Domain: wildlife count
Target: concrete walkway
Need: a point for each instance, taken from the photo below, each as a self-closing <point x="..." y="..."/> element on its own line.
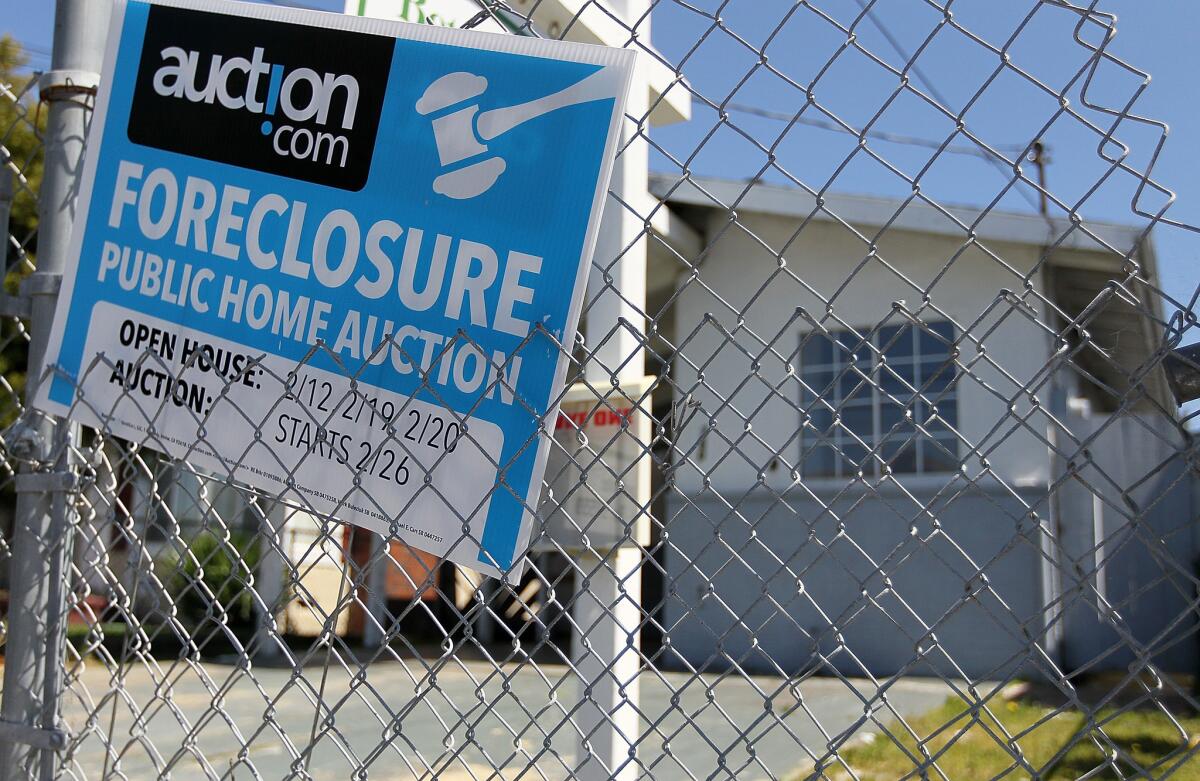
<point x="462" y="720"/>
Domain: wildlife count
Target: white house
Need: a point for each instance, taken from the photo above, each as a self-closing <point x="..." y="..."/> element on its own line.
<point x="883" y="460"/>
<point x="875" y="431"/>
<point x="893" y="428"/>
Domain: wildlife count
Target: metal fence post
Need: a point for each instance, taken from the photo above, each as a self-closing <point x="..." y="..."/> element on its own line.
<point x="41" y="524"/>
<point x="607" y="609"/>
<point x="375" y="623"/>
<point x="272" y="570"/>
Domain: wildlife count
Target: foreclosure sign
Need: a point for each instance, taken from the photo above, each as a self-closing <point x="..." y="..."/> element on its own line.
<point x="338" y="258"/>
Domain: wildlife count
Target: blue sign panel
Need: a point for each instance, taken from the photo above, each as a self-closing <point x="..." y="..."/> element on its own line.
<point x="338" y="259"/>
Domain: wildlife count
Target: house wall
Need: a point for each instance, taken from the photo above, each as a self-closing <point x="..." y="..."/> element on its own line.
<point x="741" y="276"/>
<point x="764" y="563"/>
<point x="783" y="586"/>
<point x="1128" y="528"/>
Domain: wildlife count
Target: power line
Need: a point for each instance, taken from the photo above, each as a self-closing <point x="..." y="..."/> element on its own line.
<point x="37" y="56"/>
<point x="868" y="11"/>
<point x="893" y="138"/>
<point x="34" y="50"/>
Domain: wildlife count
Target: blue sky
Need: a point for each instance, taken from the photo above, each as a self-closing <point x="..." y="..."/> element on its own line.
<point x="1157" y="36"/>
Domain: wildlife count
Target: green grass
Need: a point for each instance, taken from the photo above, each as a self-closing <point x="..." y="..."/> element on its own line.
<point x="80" y="634"/>
<point x="973" y="747"/>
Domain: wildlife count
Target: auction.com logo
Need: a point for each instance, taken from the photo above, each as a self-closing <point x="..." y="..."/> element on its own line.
<point x="239" y="83"/>
<point x="286" y="99"/>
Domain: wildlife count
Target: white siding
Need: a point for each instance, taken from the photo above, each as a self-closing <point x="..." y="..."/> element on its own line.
<point x="741" y="276"/>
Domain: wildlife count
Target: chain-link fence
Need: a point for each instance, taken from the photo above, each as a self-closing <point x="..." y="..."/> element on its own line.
<point x="18" y="207"/>
<point x="901" y="487"/>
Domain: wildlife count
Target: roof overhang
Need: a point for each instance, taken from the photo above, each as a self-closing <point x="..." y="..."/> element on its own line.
<point x="1079" y="280"/>
<point x="863" y="211"/>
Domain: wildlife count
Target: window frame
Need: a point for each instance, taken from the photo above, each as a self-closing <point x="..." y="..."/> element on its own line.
<point x="846" y="368"/>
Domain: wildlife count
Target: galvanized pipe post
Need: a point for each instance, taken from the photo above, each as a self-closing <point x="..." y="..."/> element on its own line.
<point x="41" y="526"/>
<point x="270" y="582"/>
<point x="605" y="647"/>
<point x="375" y="623"/>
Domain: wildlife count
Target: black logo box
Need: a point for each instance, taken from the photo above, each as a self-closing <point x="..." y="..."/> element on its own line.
<point x="236" y="136"/>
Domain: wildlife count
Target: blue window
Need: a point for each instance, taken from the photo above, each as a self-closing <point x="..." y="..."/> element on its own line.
<point x="888" y="397"/>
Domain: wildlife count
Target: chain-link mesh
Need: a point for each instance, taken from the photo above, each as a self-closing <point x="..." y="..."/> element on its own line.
<point x="21" y="124"/>
<point x="906" y="492"/>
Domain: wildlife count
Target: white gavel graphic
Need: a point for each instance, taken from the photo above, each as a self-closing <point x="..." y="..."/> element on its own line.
<point x="462" y="133"/>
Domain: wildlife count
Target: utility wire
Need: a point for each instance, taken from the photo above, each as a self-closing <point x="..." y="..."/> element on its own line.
<point x="868" y="11"/>
<point x="37" y="54"/>
<point x="893" y="138"/>
<point x="40" y="51"/>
